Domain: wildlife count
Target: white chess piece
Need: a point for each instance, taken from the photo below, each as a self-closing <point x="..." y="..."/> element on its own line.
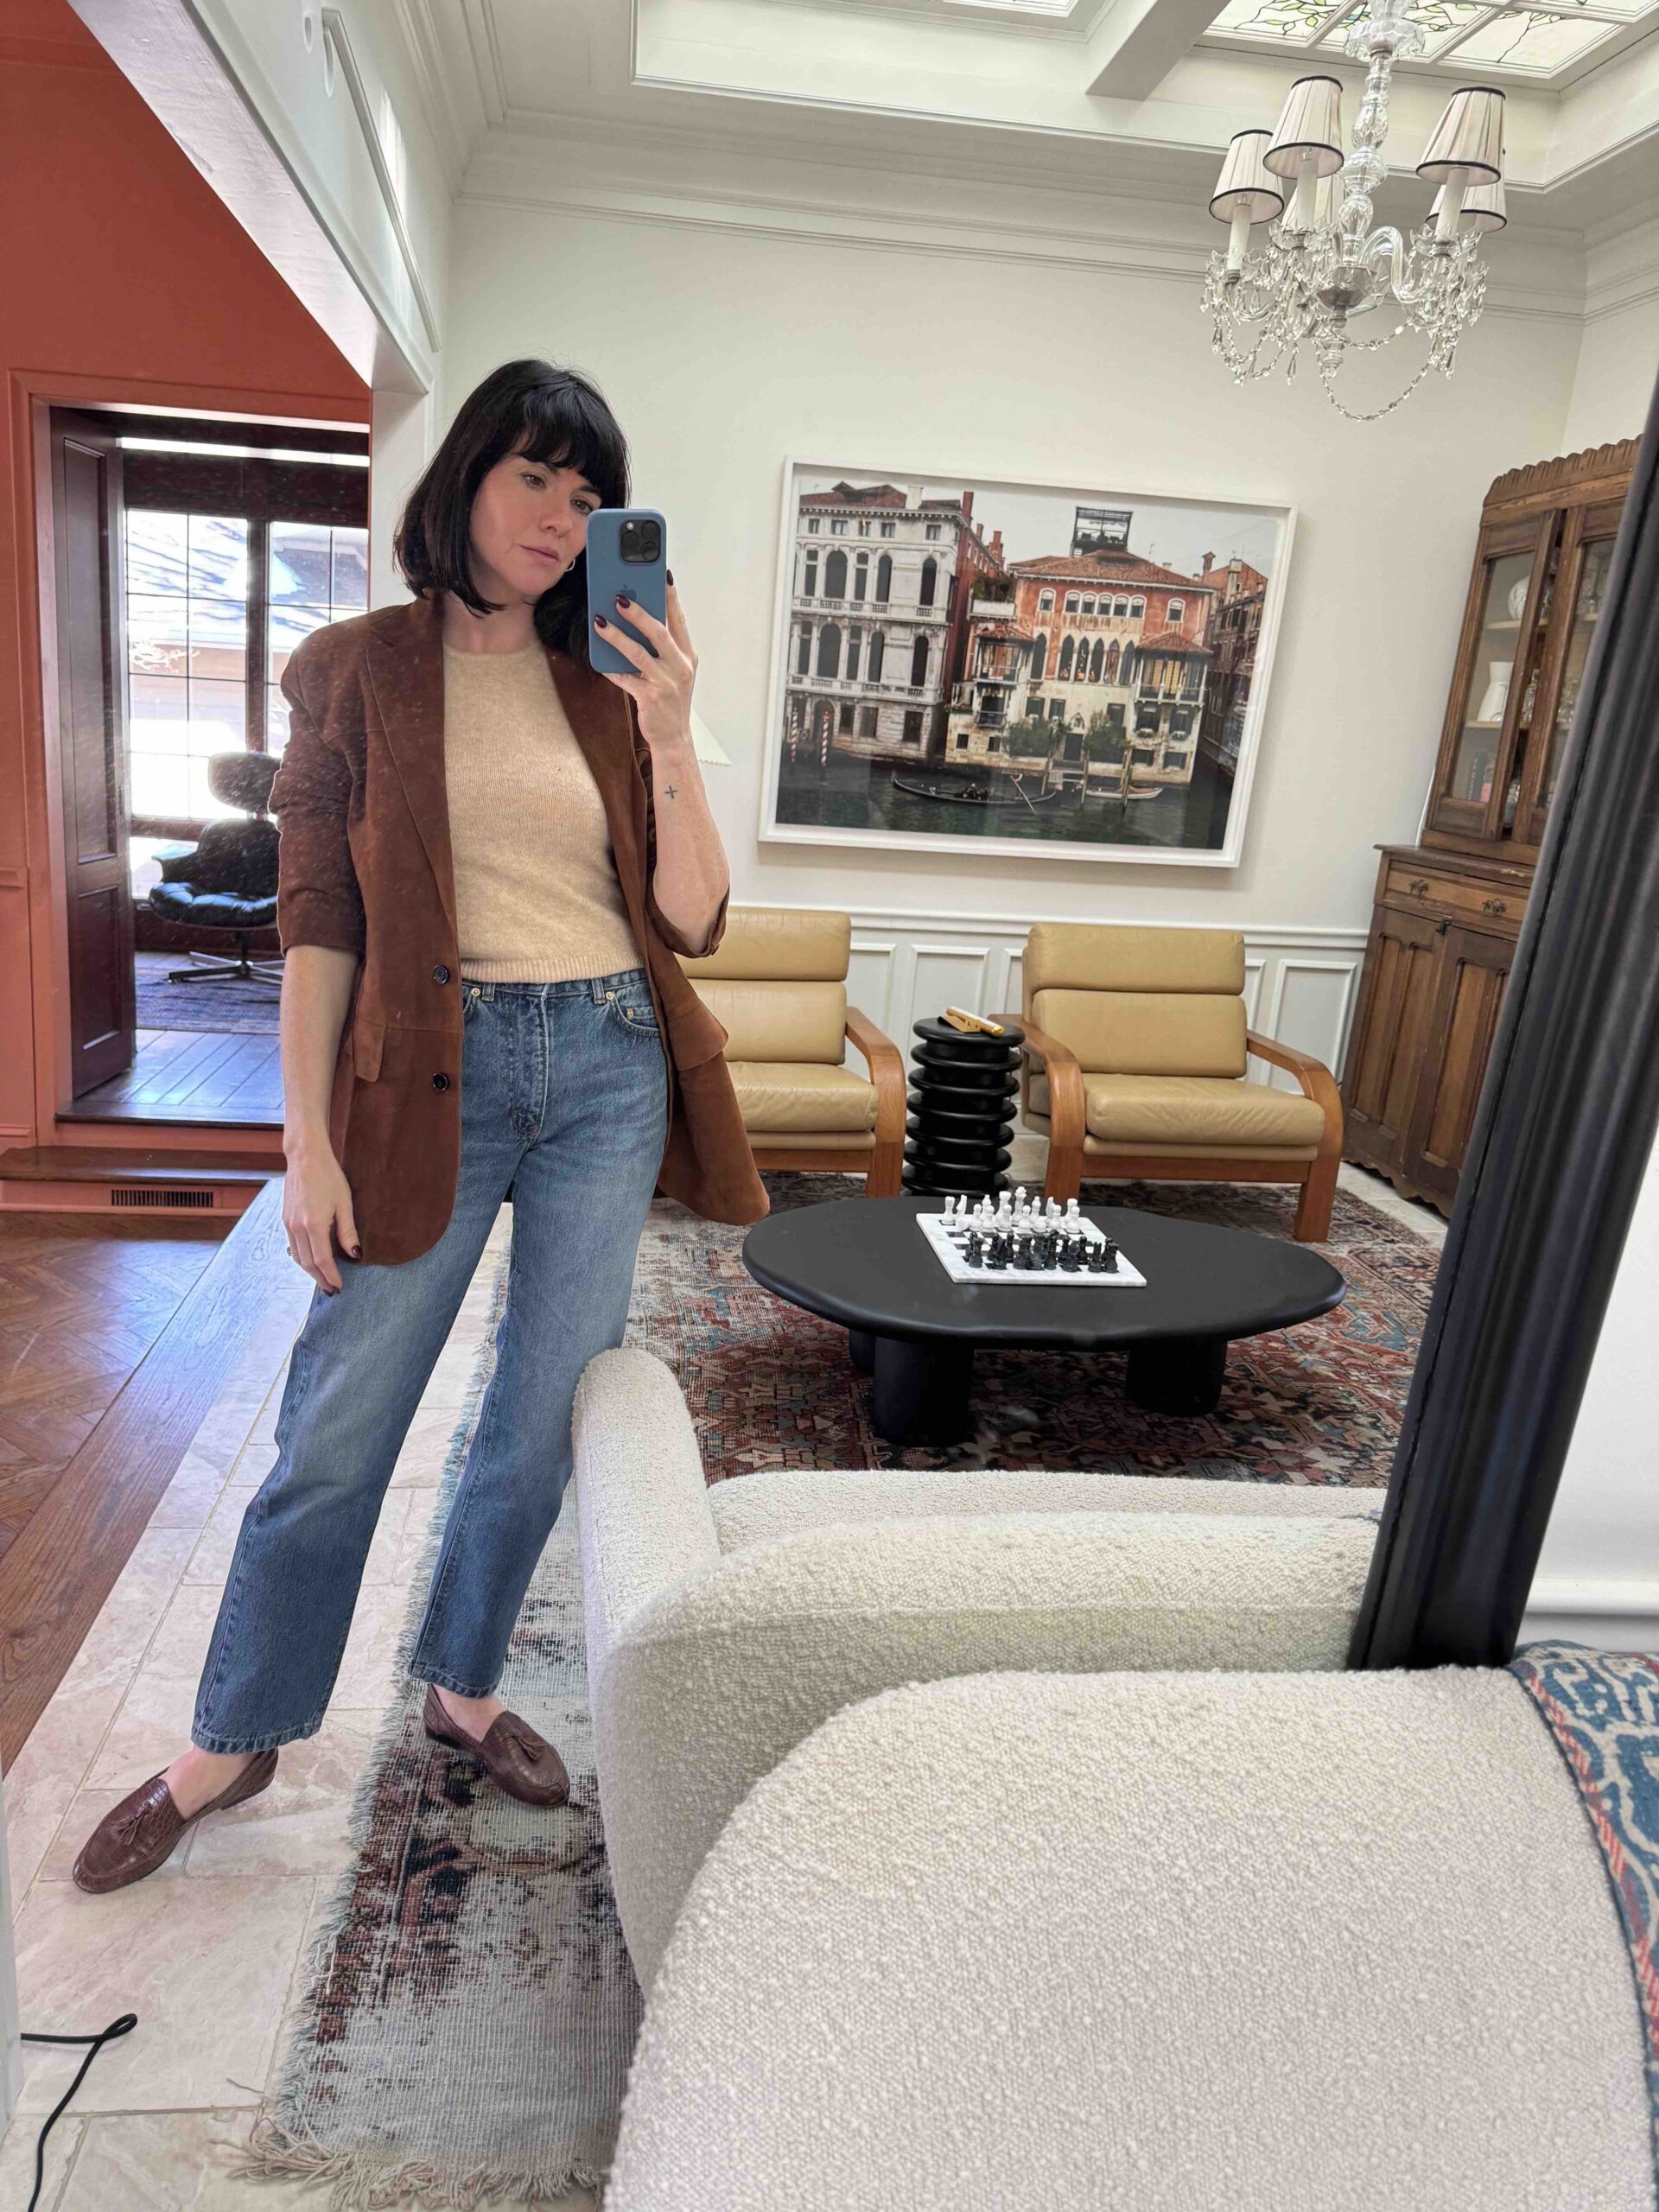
<point x="1073" y="1211"/>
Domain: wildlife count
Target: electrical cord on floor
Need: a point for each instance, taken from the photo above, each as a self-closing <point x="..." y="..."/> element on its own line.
<point x="124" y="2027"/>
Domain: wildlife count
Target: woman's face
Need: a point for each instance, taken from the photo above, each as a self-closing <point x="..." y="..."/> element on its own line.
<point x="529" y="523"/>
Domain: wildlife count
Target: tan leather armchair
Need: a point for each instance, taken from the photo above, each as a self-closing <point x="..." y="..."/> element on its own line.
<point x="1134" y="1067"/>
<point x="779" y="985"/>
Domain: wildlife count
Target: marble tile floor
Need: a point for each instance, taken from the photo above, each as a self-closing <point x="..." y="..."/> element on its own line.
<point x="208" y="1951"/>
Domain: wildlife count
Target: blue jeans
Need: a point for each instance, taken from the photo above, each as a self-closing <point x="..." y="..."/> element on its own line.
<point x="564" y="1100"/>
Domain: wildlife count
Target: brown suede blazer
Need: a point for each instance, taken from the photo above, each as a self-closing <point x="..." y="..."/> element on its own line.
<point x="366" y="865"/>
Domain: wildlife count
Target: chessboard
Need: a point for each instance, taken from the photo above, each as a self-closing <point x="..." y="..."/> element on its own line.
<point x="1017" y="1240"/>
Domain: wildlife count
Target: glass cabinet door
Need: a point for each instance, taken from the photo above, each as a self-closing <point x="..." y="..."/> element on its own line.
<point x="1478" y="787"/>
<point x="1587" y="556"/>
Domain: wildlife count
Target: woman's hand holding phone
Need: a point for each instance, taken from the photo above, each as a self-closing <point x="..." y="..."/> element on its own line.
<point x="661" y="672"/>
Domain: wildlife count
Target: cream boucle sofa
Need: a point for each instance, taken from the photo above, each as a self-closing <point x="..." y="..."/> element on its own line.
<point x="725" y="1624"/>
<point x="1150" y="1943"/>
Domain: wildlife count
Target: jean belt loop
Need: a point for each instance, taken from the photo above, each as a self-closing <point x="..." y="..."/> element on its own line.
<point x="596" y="987"/>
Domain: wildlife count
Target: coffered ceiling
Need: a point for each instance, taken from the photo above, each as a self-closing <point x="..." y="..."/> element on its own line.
<point x="1136" y="97"/>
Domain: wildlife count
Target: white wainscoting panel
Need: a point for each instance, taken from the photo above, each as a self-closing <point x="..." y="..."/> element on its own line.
<point x="1300" y="984"/>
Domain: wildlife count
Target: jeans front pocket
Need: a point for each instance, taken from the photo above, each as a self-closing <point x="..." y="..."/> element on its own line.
<point x="634" y="1009"/>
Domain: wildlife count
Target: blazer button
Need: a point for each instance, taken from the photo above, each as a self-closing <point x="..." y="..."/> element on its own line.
<point x="440" y="973"/>
<point x="439" y="1082"/>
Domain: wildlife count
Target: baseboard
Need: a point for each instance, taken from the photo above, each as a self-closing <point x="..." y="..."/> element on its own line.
<point x="1608" y="1616"/>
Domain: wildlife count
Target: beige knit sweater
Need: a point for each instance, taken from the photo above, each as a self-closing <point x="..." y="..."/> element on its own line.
<point x="536" y="896"/>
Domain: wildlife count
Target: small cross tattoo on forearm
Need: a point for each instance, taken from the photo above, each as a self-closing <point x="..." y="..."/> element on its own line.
<point x="668" y="791"/>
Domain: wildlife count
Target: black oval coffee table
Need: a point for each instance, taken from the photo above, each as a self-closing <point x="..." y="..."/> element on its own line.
<point x="864" y="1263"/>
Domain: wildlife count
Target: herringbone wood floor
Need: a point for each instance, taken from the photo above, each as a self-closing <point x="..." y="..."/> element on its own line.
<point x="82" y="1300"/>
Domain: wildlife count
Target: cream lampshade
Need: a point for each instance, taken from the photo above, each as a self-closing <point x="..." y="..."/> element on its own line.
<point x="1308" y="138"/>
<point x="1482" y="210"/>
<point x="1246" y="186"/>
<point x="1466" y="145"/>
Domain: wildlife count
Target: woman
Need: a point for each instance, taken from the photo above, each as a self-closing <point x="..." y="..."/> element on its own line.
<point x="490" y="855"/>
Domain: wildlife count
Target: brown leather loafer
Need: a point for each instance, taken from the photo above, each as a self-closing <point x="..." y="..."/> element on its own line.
<point x="525" y="1764"/>
<point x="142" y="1832"/>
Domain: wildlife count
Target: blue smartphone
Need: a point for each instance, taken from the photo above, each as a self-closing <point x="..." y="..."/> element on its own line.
<point x="627" y="551"/>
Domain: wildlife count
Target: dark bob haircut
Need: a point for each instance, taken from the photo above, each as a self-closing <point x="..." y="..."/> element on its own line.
<point x="550" y="414"/>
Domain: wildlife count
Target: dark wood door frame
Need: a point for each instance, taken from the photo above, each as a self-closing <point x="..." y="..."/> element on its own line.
<point x="1560" y="1143"/>
<point x="86" y="506"/>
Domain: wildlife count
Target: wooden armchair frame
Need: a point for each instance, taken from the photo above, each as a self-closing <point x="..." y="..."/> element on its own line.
<point x="884" y="1166"/>
<point x="1068" y="1164"/>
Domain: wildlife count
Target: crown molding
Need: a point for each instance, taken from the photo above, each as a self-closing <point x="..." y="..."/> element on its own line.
<point x="433" y="82"/>
<point x="703" y="184"/>
<point x="1624" y="271"/>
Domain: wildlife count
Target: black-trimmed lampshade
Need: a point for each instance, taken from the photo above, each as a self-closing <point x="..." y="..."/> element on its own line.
<point x="1245" y="186"/>
<point x="1466" y="144"/>
<point x="1308" y="136"/>
<point x="1483" y="208"/>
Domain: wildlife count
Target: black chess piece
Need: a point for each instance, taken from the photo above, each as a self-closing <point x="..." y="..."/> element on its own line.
<point x="1072" y="1255"/>
<point x="998" y="1254"/>
<point x="1051" y="1247"/>
<point x="975" y="1251"/>
<point x="1111" y="1250"/>
<point x="1096" y="1260"/>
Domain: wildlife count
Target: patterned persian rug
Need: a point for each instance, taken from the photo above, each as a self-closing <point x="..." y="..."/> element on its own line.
<point x="470" y="2011"/>
<point x="770" y="1386"/>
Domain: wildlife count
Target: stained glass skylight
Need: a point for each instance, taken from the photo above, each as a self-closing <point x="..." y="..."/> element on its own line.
<point x="1538" y="41"/>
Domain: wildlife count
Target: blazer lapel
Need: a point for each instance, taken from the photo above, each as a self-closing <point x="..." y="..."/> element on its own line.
<point x="405" y="660"/>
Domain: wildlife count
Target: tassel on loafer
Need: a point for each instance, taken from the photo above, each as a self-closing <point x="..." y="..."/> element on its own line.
<point x="525" y="1764"/>
<point x="142" y="1832"/>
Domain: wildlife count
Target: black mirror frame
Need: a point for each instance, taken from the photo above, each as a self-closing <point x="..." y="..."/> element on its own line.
<point x="1561" y="1142"/>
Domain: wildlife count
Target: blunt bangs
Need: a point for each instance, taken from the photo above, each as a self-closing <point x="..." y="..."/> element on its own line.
<point x="553" y="416"/>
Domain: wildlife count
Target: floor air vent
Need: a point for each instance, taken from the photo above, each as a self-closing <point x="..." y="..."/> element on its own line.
<point x="140" y="1197"/>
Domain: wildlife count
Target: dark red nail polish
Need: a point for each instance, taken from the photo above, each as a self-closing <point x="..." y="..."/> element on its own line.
<point x="600" y="623"/>
<point x="670" y="575"/>
<point x="622" y="599"/>
<point x="357" y="1251"/>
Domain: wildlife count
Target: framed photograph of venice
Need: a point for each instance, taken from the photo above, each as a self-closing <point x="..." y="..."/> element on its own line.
<point x="969" y="665"/>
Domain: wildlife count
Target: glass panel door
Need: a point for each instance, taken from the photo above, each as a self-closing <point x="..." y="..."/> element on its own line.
<point x="187" y="635"/>
<point x="1475" y="766"/>
<point x="1594" y="557"/>
<point x="1493" y="691"/>
<point x="319" y="574"/>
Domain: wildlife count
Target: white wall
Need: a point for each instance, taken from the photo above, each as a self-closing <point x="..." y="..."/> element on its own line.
<point x="912" y="325"/>
<point x="1618" y="357"/>
<point x="725" y="343"/>
<point x="1598" y="1577"/>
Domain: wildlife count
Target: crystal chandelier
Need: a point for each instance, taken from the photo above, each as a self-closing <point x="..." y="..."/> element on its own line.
<point x="1323" y="269"/>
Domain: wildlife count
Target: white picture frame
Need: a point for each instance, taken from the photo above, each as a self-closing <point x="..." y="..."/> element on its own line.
<point x="842" y="785"/>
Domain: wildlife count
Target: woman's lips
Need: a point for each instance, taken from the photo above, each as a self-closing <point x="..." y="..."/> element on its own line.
<point x="541" y="554"/>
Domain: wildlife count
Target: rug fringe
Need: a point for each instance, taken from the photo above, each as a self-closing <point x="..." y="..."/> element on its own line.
<point x="368" y="2180"/>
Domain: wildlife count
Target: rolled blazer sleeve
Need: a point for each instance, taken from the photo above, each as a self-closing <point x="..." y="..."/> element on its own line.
<point x="318" y="899"/>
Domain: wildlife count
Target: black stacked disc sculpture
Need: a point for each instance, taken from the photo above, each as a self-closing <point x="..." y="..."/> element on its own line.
<point x="962" y="1084"/>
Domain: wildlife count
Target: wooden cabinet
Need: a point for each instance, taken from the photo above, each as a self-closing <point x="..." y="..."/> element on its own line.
<point x="1447" y="913"/>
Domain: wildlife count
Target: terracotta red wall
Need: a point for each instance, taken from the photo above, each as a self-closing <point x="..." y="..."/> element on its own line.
<point x="122" y="277"/>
